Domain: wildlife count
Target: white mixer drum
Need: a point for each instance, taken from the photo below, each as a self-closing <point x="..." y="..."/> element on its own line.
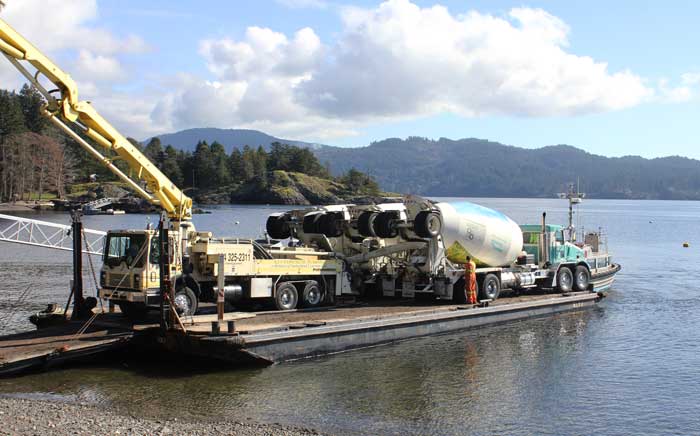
<point x="488" y="236"/>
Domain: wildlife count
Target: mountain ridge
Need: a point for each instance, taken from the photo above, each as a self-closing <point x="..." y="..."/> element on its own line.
<point x="482" y="168"/>
<point x="187" y="139"/>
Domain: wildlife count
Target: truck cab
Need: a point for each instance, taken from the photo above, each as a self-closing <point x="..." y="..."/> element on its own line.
<point x="130" y="274"/>
<point x="549" y="246"/>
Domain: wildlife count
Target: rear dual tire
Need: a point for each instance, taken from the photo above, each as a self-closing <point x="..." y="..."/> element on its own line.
<point x="582" y="278"/>
<point x="565" y="280"/>
<point x="490" y="287"/>
<point x="287" y="296"/>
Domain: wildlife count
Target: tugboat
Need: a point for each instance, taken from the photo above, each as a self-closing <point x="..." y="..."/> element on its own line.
<point x="594" y="246"/>
<point x="565" y="247"/>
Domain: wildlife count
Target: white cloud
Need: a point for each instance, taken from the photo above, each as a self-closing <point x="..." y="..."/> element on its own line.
<point x="400" y="61"/>
<point x="66" y="32"/>
<point x="395" y="61"/>
<point x="53" y="25"/>
<point x="690" y="79"/>
<point x="298" y="4"/>
<point x="685" y="91"/>
<point x="98" y="67"/>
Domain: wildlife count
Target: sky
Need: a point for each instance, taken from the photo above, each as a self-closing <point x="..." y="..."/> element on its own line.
<point x="613" y="78"/>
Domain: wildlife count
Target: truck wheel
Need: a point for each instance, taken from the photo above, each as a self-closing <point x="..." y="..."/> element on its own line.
<point x="133" y="311"/>
<point x="458" y="294"/>
<point x="310" y="223"/>
<point x="330" y="225"/>
<point x="565" y="279"/>
<point x="365" y="224"/>
<point x="384" y="225"/>
<point x="277" y="227"/>
<point x="490" y="287"/>
<point x="312" y="296"/>
<point x="427" y="224"/>
<point x="581" y="278"/>
<point x="185" y="301"/>
<point x="286" y="296"/>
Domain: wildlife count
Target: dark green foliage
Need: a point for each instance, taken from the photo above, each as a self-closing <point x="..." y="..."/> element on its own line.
<point x="222" y="174"/>
<point x="31" y="102"/>
<point x="359" y="183"/>
<point x="235" y="166"/>
<point x="171" y="165"/>
<point x="204" y="167"/>
<point x="153" y="150"/>
<point x="247" y="163"/>
<point x="295" y="159"/>
<point x="11" y="116"/>
<point x="479" y="168"/>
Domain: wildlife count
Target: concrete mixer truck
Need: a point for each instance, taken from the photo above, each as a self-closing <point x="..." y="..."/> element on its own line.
<point x="417" y="248"/>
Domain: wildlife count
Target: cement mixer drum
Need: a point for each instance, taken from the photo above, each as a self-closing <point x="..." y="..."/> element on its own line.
<point x="488" y="236"/>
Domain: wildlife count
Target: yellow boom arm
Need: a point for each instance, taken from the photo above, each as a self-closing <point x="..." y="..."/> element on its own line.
<point x="68" y="109"/>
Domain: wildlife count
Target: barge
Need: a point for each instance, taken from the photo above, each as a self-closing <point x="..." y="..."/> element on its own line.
<point x="273" y="336"/>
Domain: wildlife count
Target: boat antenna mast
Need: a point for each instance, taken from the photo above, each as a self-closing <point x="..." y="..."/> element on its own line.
<point x="575" y="197"/>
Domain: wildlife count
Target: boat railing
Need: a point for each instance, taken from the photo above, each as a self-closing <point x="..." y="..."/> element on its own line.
<point x="597" y="240"/>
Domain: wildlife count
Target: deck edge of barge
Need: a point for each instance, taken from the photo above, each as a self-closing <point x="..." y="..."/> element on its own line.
<point x="317" y="341"/>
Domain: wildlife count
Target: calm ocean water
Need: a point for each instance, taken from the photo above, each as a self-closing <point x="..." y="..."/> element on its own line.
<point x="630" y="366"/>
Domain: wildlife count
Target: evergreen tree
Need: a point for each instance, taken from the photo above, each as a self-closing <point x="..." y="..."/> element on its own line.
<point x="11" y="122"/>
<point x="204" y="166"/>
<point x="154" y="151"/>
<point x="360" y="183"/>
<point x="220" y="161"/>
<point x="11" y="116"/>
<point x="248" y="166"/>
<point x="31" y="102"/>
<point x="235" y="166"/>
<point x="260" y="167"/>
<point x="171" y="165"/>
<point x="186" y="163"/>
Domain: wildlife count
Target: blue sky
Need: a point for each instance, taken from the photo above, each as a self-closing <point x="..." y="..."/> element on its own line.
<point x="613" y="78"/>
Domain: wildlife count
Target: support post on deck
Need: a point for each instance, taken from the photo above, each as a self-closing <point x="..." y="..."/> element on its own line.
<point x="220" y="298"/>
<point x="78" y="299"/>
<point x="164" y="267"/>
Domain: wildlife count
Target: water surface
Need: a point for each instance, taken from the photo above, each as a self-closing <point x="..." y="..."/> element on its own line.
<point x="629" y="366"/>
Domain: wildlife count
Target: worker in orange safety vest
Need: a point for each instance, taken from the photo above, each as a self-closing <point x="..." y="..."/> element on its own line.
<point x="470" y="280"/>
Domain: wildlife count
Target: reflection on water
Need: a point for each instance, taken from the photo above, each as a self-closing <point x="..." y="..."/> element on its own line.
<point x="629" y="366"/>
<point x="433" y="385"/>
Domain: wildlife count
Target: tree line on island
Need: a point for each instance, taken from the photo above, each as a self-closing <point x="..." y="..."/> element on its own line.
<point x="210" y="167"/>
<point x="38" y="161"/>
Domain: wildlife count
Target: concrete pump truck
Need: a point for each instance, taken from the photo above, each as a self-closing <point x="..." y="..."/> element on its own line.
<point x="130" y="276"/>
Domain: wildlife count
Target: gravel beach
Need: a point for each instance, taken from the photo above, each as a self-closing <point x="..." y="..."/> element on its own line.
<point x="19" y="416"/>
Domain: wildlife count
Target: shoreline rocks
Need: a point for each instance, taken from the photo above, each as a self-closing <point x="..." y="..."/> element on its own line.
<point x="22" y="416"/>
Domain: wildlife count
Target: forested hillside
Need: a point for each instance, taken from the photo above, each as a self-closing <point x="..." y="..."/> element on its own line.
<point x="37" y="161"/>
<point x="475" y="167"/>
<point x="188" y="139"/>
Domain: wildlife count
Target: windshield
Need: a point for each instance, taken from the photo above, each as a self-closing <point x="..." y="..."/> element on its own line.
<point x="531" y="238"/>
<point x="125" y="248"/>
